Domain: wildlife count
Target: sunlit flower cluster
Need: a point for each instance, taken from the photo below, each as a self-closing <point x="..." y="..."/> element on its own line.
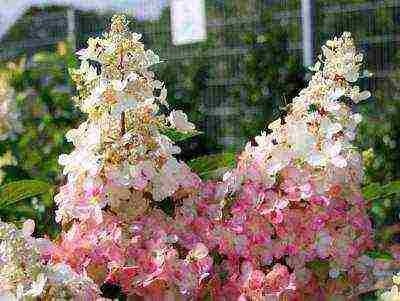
<point x="25" y="274"/>
<point x="294" y="198"/>
<point x="21" y="270"/>
<point x="121" y="169"/>
<point x="9" y="114"/>
<point x="121" y="159"/>
<point x="137" y="218"/>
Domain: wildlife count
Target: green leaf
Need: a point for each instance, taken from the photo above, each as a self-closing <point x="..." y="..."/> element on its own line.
<point x="392" y="188"/>
<point x="15" y="192"/>
<point x="18" y="211"/>
<point x="207" y="166"/>
<point x="47" y="197"/>
<point x="376" y="190"/>
<point x="312" y="108"/>
<point x="383" y="255"/>
<point x="217" y="257"/>
<point x="176" y="136"/>
<point x="372" y="191"/>
<point x="167" y="206"/>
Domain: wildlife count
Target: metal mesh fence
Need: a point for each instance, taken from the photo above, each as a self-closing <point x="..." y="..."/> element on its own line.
<point x="375" y="24"/>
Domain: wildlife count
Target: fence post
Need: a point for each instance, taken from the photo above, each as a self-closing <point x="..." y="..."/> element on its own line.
<point x="71" y="27"/>
<point x="308" y="30"/>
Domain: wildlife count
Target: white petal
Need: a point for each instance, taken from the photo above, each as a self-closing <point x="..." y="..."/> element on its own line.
<point x="339" y="161"/>
<point x="357" y="118"/>
<point x="316" y="159"/>
<point x="328" y="53"/>
<point x="336" y="94"/>
<point x="198" y="252"/>
<point x="163" y="95"/>
<point x="351" y="76"/>
<point x="364" y="95"/>
<point x="119" y="85"/>
<point x="28" y="228"/>
<point x="275" y="125"/>
<point x="82" y="53"/>
<point x="37" y="286"/>
<point x="334" y="149"/>
<point x="180" y="122"/>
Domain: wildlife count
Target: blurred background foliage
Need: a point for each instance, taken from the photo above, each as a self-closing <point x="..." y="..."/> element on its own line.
<point x="269" y="79"/>
<point x="43" y="96"/>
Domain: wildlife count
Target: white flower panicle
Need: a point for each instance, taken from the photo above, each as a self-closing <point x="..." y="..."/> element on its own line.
<point x="121" y="146"/>
<point x="319" y="128"/>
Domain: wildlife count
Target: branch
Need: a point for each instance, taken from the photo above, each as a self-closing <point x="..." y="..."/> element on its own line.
<point x="123" y="129"/>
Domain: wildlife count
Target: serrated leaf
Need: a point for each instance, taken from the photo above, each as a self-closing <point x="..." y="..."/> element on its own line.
<point x="15" y="192"/>
<point x="176" y="136"/>
<point x="207" y="166"/>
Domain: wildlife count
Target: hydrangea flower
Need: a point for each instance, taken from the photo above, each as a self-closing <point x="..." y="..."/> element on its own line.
<point x="25" y="274"/>
<point x="121" y="167"/>
<point x="295" y="197"/>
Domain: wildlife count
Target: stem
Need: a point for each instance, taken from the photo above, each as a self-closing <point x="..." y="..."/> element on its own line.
<point x="123" y="129"/>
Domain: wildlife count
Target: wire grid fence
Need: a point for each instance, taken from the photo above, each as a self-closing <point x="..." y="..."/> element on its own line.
<point x="375" y="24"/>
<point x="40" y="31"/>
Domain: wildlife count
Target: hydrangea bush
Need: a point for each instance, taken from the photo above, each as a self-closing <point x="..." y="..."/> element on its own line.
<point x="289" y="221"/>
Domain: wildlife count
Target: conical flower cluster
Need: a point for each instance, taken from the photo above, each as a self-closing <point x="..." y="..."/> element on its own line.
<point x="122" y="167"/>
<point x="295" y="197"/>
<point x="122" y="162"/>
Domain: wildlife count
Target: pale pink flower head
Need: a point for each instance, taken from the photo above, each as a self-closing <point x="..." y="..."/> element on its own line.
<point x="28" y="227"/>
<point x="179" y="121"/>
